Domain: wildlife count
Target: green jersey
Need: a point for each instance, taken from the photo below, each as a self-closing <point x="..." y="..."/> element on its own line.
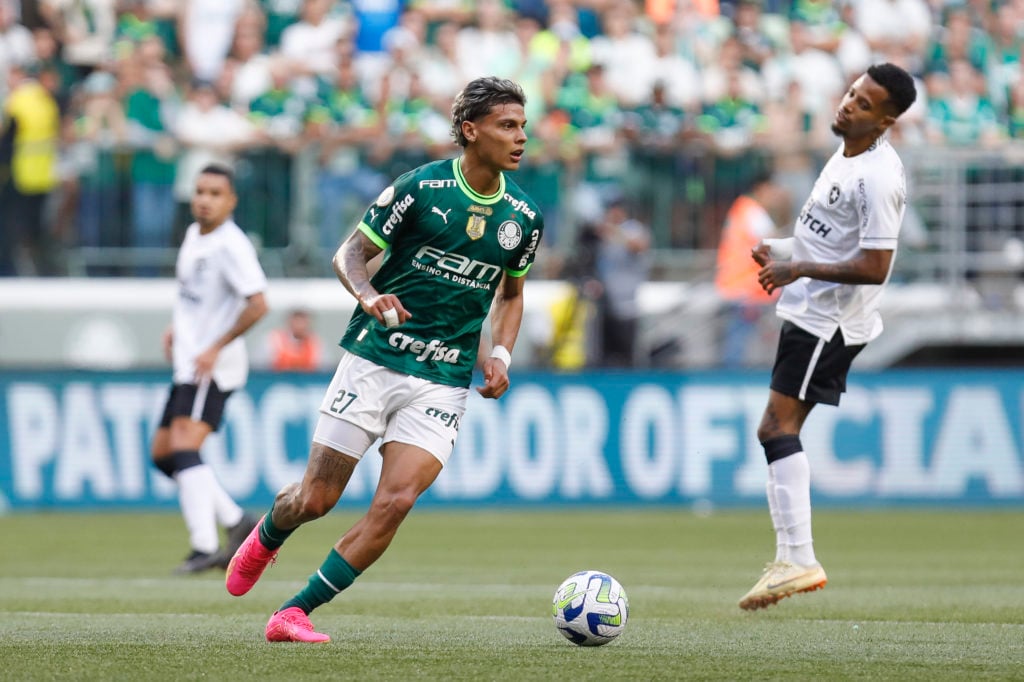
<point x="446" y="248"/>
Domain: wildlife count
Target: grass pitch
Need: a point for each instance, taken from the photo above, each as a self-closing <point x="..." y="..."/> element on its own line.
<point x="913" y="595"/>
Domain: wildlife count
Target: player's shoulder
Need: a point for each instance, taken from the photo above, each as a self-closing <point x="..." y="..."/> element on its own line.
<point x="882" y="167"/>
<point x="883" y="157"/>
<point x="421" y="176"/>
<point x="521" y="202"/>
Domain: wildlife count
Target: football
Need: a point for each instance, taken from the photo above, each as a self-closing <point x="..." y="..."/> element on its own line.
<point x="590" y="608"/>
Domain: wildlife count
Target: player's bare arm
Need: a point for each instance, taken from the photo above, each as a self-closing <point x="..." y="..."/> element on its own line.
<point x="506" y="318"/>
<point x="350" y="266"/>
<point x="870" y="266"/>
<point x="254" y="310"/>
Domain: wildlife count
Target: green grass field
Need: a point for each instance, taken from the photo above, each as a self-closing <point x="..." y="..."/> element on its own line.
<point x="913" y="595"/>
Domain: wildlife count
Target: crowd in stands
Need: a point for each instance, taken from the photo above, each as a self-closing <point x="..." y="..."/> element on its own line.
<point x="111" y="106"/>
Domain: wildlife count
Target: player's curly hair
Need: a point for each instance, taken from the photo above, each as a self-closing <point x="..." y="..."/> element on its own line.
<point x="478" y="98"/>
<point x="898" y="83"/>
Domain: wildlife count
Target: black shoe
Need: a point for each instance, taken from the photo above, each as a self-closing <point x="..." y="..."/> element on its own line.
<point x="197" y="562"/>
<point x="236" y="536"/>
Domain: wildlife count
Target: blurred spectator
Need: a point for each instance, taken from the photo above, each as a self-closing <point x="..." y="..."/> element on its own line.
<point x="373" y="20"/>
<point x="150" y="108"/>
<point x="624" y="52"/>
<point x="101" y="129"/>
<point x="818" y="73"/>
<point x="1016" y="109"/>
<point x="207" y="30"/>
<point x="16" y="44"/>
<point x="745" y="303"/>
<point x="595" y="117"/>
<point x="656" y="132"/>
<point x="29" y="129"/>
<point x="753" y="30"/>
<point x="676" y="73"/>
<point x="249" y="60"/>
<point x="280" y="15"/>
<point x="622" y="265"/>
<point x="799" y="139"/>
<point x="439" y="65"/>
<point x="309" y="44"/>
<point x="1007" y="51"/>
<point x="279" y="115"/>
<point x="957" y="39"/>
<point x="852" y="49"/>
<point x="208" y="132"/>
<point x="825" y="25"/>
<point x="551" y="152"/>
<point x="439" y="11"/>
<point x="958" y="115"/>
<point x="488" y="47"/>
<point x="717" y="78"/>
<point x="296" y="346"/>
<point x="85" y="29"/>
<point x="348" y="127"/>
<point x="50" y="65"/>
<point x="888" y="24"/>
<point x="561" y="43"/>
<point x="734" y="127"/>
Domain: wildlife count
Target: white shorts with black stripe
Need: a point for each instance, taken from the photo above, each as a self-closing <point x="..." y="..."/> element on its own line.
<point x="810" y="369"/>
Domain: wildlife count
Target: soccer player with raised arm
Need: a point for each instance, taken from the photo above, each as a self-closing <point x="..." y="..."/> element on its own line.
<point x="220" y="297"/>
<point x="458" y="238"/>
<point x="831" y="272"/>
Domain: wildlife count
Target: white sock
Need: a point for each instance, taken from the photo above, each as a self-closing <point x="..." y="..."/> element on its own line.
<point x="781" y="548"/>
<point x="197" y="506"/>
<point x="792" y="476"/>
<point x="229" y="514"/>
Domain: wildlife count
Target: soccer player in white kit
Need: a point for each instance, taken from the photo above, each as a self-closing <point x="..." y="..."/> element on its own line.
<point x="832" y="272"/>
<point x="220" y="296"/>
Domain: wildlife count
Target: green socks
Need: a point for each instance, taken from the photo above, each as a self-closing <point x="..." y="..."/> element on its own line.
<point x="335" y="575"/>
<point x="271" y="536"/>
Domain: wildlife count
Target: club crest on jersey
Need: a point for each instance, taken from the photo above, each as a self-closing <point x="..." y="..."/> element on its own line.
<point x="475" y="227"/>
<point x="509" y="235"/>
<point x="386" y="197"/>
<point x="833" y="195"/>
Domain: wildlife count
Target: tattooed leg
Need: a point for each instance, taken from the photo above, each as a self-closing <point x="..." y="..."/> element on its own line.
<point x="327" y="474"/>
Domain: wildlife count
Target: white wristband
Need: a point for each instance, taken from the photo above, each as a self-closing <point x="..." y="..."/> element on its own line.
<point x="781" y="249"/>
<point x="502" y="354"/>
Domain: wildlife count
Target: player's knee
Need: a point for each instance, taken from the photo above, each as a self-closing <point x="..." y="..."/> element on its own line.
<point x="765" y="432"/>
<point x="313" y="506"/>
<point x="782" y="446"/>
<point x="177" y="461"/>
<point x="395" y="505"/>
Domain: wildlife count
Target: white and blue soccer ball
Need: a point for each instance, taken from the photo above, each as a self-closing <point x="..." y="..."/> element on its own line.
<point x="590" y="608"/>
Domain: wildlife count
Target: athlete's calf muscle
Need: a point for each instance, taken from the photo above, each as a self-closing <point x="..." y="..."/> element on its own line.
<point x="327" y="474"/>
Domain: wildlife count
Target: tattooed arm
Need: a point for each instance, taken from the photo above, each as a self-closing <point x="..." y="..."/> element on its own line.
<point x="350" y="265"/>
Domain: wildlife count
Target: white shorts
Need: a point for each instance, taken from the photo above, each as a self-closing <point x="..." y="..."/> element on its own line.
<point x="366" y="401"/>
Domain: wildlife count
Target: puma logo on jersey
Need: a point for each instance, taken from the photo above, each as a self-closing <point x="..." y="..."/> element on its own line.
<point x="373" y="213"/>
<point x="443" y="214"/>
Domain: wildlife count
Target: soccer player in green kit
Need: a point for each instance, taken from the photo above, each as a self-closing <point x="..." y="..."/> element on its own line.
<point x="458" y="238"/>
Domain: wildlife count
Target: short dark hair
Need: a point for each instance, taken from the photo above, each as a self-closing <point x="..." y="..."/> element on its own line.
<point x="478" y="98"/>
<point x="897" y="82"/>
<point x="222" y="170"/>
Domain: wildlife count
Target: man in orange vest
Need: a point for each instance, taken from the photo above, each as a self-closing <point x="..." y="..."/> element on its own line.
<point x="296" y="347"/>
<point x="744" y="301"/>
